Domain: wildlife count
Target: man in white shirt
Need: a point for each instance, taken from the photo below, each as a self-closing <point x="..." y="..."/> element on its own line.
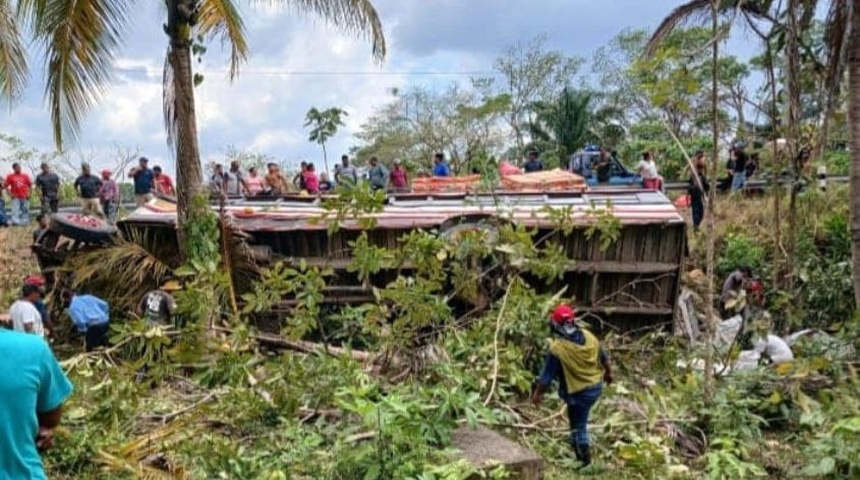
<point x="23" y="313"/>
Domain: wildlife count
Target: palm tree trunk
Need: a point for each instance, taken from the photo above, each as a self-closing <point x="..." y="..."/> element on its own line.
<point x="854" y="129"/>
<point x="188" y="169"/>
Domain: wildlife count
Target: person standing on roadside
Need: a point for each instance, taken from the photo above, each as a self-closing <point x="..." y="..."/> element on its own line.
<point x="347" y="175"/>
<point x="49" y="187"/>
<point x="399" y="178"/>
<point x="161" y="182"/>
<point x="698" y="189"/>
<point x="275" y="181"/>
<point x="143" y="177"/>
<point x="109" y="196"/>
<point x="739" y="169"/>
<point x="581" y="367"/>
<point x="255" y="182"/>
<point x="18" y="184"/>
<point x="88" y="186"/>
<point x="234" y="181"/>
<point x="378" y="175"/>
<point x="33" y="389"/>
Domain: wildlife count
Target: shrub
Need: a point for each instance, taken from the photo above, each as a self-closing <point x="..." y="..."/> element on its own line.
<point x="740" y="250"/>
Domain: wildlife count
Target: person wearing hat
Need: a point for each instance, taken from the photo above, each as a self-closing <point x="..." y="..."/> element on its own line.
<point x="533" y="164"/>
<point x="159" y="306"/>
<point x="581" y="367"/>
<point x="39" y="281"/>
<point x="109" y="196"/>
<point x="91" y="317"/>
<point x="23" y="313"/>
<point x="143" y="178"/>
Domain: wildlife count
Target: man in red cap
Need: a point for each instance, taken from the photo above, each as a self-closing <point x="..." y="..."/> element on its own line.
<point x="581" y="367"/>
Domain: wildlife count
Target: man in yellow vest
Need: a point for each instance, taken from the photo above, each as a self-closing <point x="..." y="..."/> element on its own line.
<point x="581" y="367"/>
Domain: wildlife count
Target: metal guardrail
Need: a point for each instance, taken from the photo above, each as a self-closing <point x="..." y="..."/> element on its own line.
<point x="756" y="184"/>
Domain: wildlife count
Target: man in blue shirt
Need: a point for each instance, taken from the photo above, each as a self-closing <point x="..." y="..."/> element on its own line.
<point x="440" y="168"/>
<point x="533" y="164"/>
<point x="143" y="178"/>
<point x="580" y="365"/>
<point x="33" y="389"/>
<point x="91" y="317"/>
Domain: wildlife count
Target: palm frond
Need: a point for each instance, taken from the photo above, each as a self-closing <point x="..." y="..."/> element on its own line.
<point x="699" y="9"/>
<point x="221" y="18"/>
<point x="80" y="38"/>
<point x="125" y="271"/>
<point x="352" y="16"/>
<point x="684" y="13"/>
<point x="13" y="57"/>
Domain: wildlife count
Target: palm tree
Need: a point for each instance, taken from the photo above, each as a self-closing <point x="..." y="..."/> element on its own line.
<point x="563" y="122"/>
<point x="324" y="125"/>
<point x="82" y="37"/>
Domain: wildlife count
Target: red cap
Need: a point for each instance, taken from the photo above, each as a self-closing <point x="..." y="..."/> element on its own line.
<point x="755" y="286"/>
<point x="563" y="314"/>
<point x="36" y="280"/>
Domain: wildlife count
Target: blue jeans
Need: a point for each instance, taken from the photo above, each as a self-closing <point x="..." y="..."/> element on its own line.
<point x="578" y="407"/>
<point x="20" y="211"/>
<point x="739" y="179"/>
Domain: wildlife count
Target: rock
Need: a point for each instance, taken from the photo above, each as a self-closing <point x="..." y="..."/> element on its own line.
<point x="485" y="449"/>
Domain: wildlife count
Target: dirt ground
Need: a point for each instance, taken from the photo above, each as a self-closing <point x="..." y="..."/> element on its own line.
<point x="16" y="262"/>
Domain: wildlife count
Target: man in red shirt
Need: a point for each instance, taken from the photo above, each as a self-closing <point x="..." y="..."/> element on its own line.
<point x="18" y="184"/>
<point x="161" y="182"/>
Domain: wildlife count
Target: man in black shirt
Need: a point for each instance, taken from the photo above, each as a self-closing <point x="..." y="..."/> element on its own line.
<point x="49" y="187"/>
<point x="739" y="170"/>
<point x="603" y="168"/>
<point x="88" y="186"/>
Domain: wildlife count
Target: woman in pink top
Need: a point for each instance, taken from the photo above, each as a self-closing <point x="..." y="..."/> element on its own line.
<point x="312" y="182"/>
<point x="255" y="183"/>
<point x="398" y="179"/>
<point x="109" y="196"/>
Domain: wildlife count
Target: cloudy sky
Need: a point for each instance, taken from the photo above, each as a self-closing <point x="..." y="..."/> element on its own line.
<point x="298" y="62"/>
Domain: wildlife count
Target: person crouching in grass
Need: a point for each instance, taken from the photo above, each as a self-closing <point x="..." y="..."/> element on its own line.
<point x="581" y="367"/>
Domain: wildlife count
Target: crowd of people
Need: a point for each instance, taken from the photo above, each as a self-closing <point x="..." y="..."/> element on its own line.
<point x="99" y="195"/>
<point x="33" y="387"/>
<point x="234" y="183"/>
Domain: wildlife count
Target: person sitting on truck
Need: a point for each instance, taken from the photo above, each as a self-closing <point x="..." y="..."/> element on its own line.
<point x="603" y="167"/>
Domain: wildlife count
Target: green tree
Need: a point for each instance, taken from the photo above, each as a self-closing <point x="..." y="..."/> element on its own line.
<point x="81" y="40"/>
<point x="532" y="74"/>
<point x="564" y="123"/>
<point x="324" y="125"/>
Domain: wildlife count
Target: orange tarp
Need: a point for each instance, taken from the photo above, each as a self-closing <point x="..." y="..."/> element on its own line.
<point x="445" y="184"/>
<point x="546" y="180"/>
